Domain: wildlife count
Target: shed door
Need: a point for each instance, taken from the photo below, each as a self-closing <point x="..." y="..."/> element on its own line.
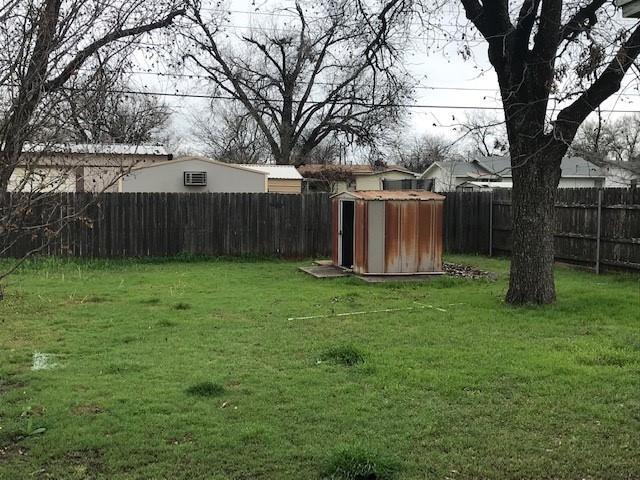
<point x="345" y="234"/>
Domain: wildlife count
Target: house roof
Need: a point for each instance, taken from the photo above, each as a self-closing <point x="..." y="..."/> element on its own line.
<point x="460" y="168"/>
<point x="387" y="170"/>
<point x="403" y="195"/>
<point x="280" y="172"/>
<point x="97" y="149"/>
<point x="200" y="159"/>
<point x="571" y="166"/>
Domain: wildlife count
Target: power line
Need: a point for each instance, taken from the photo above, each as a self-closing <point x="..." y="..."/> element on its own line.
<point x="315" y="102"/>
<point x="420" y="87"/>
<point x="290" y="14"/>
<point x="195" y="75"/>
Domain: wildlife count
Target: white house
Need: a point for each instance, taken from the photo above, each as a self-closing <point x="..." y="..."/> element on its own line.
<point x="495" y="172"/>
<point x="80" y="167"/>
<point x="449" y="175"/>
<point x="621" y="174"/>
<point x="194" y="174"/>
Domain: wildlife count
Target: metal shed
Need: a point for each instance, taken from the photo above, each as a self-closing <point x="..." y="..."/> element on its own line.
<point x="388" y="232"/>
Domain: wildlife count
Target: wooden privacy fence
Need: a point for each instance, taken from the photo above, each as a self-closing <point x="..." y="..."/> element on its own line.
<point x="596" y="227"/>
<point x="164" y="224"/>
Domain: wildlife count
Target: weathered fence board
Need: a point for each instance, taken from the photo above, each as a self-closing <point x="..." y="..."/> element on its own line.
<point x="582" y="236"/>
<point x="164" y="224"/>
<point x="467" y="222"/>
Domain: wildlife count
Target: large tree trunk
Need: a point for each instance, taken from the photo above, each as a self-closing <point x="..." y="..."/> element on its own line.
<point x="535" y="183"/>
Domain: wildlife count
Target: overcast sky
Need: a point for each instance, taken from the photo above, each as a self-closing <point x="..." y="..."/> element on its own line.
<point x="445" y="79"/>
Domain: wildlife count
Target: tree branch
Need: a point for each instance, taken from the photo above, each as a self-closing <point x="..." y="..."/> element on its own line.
<point x="85" y="53"/>
<point x="570" y="118"/>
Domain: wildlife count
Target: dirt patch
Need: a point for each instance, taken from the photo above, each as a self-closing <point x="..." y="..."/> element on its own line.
<point x="7" y="452"/>
<point x="467" y="271"/>
<point x="88" y="460"/>
<point x="90" y="409"/>
<point x="7" y="385"/>
<point x="186" y="438"/>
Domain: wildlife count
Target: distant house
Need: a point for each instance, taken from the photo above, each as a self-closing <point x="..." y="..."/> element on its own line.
<point x="495" y="172"/>
<point x="281" y="178"/>
<point x="194" y="174"/>
<point x="342" y="178"/>
<point x="621" y="174"/>
<point x="80" y="167"/>
<point x="449" y="175"/>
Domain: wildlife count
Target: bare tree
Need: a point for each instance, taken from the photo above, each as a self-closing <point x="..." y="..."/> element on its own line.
<point x="574" y="50"/>
<point x="419" y="152"/>
<point x="485" y="134"/>
<point x="556" y="62"/>
<point x="229" y="134"/>
<point x="332" y="151"/>
<point x="45" y="43"/>
<point x="44" y="46"/>
<point x="616" y="140"/>
<point x="311" y="79"/>
<point x="99" y="108"/>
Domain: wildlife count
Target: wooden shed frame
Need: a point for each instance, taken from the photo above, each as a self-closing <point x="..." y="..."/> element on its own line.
<point x="388" y="232"/>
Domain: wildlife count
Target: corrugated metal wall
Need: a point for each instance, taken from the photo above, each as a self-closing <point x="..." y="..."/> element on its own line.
<point x="413" y="237"/>
<point x="395" y="236"/>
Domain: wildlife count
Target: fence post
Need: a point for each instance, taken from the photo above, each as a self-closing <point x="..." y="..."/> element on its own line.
<point x="491" y="223"/>
<point x="599" y="220"/>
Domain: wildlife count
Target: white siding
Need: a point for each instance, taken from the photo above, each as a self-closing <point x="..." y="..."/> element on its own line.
<point x="43" y="179"/>
<point x="169" y="177"/>
<point x="619" y="177"/>
<point x="444" y="180"/>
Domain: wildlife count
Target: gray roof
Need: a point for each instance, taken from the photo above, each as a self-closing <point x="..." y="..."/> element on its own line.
<point x="460" y="168"/>
<point x="571" y="166"/>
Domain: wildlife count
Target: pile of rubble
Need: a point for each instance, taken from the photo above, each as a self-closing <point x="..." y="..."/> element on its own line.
<point x="466" y="271"/>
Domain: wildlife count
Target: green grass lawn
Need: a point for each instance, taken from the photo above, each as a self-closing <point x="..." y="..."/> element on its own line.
<point x="189" y="370"/>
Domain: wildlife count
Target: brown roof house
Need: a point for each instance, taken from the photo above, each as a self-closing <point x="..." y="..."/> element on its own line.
<point x="342" y="178"/>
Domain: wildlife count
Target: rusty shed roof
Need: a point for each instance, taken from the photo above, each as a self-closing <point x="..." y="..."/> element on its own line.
<point x="419" y="195"/>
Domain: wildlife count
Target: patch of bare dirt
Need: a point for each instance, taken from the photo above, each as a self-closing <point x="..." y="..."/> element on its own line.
<point x="186" y="438"/>
<point x="89" y="409"/>
<point x="7" y="452"/>
<point x="88" y="461"/>
<point x="6" y="385"/>
<point x="467" y="271"/>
